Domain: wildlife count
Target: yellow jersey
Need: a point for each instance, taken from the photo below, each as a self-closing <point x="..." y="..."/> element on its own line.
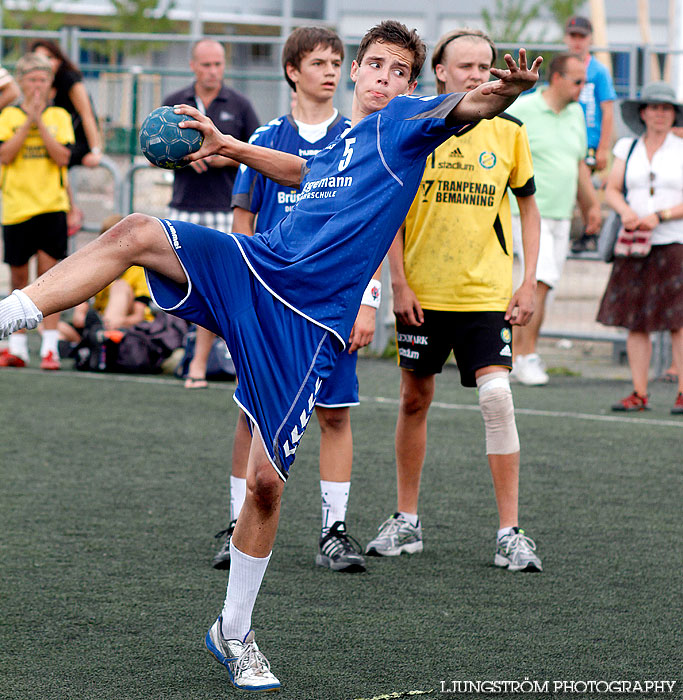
<point x="33" y="183"/>
<point x="135" y="277"/>
<point x="458" y="239"/>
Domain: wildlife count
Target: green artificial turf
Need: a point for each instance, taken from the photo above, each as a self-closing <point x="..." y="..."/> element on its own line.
<point x="112" y="489"/>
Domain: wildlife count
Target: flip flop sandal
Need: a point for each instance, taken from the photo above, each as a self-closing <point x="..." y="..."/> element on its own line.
<point x="196" y="383"/>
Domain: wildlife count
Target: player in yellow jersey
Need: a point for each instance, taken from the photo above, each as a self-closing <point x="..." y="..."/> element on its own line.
<point x="451" y="270"/>
<point x="35" y="147"/>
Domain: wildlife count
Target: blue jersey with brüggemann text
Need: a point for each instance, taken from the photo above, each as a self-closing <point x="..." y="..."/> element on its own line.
<point x="259" y="195"/>
<point x="352" y="201"/>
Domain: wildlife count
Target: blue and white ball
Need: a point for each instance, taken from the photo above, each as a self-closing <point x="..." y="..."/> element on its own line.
<point x="164" y="143"/>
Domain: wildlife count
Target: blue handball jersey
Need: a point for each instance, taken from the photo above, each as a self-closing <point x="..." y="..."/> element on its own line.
<point x="352" y="200"/>
<point x="258" y="194"/>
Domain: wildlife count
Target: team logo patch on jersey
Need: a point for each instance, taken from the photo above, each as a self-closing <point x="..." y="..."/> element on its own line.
<point x="487" y="159"/>
<point x="506" y="335"/>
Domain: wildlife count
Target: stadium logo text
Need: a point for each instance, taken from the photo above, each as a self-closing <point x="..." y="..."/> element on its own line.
<point x="457" y="166"/>
<point x="410" y="354"/>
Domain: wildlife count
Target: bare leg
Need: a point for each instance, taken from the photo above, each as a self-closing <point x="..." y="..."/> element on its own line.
<point x="137" y="240"/>
<point x="19" y="279"/>
<point x="505" y="474"/>
<point x="639" y="351"/>
<point x="258" y="521"/>
<point x="411" y="437"/>
<point x="526" y="337"/>
<point x="241" y="445"/>
<point x="336" y="443"/>
<point x="677" y="355"/>
<point x="202" y="349"/>
<point x="120" y="304"/>
<point x="46" y="262"/>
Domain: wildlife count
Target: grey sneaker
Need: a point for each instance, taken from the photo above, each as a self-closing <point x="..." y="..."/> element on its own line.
<point x="516" y="552"/>
<point x="247" y="667"/>
<point x="395" y="536"/>
<point x="222" y="558"/>
<point x="339" y="551"/>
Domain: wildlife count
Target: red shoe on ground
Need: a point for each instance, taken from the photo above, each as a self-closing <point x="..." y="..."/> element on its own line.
<point x="678" y="406"/>
<point x="9" y="360"/>
<point x="50" y="361"/>
<point x="633" y="402"/>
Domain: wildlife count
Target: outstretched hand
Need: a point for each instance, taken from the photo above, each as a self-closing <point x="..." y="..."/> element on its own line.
<point x="516" y="79"/>
<point x="215" y="143"/>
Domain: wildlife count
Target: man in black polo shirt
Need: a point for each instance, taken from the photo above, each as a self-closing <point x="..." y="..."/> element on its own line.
<point x="202" y="192"/>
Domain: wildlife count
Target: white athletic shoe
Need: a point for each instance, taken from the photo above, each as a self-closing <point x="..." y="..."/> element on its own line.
<point x="529" y="370"/>
<point x="395" y="536"/>
<point x="247" y="667"/>
<point x="517" y="552"/>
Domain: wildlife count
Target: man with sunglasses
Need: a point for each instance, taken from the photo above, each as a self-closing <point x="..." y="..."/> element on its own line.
<point x="557" y="136"/>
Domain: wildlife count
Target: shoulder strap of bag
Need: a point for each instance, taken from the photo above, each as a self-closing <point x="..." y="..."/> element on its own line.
<point x="630" y="150"/>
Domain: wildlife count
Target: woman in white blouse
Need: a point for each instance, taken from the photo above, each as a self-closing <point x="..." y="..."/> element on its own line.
<point x="645" y="294"/>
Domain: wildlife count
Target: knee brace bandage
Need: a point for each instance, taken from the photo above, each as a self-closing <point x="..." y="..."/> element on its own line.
<point x="498" y="411"/>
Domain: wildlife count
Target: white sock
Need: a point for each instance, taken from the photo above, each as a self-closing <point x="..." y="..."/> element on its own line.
<point x="244" y="583"/>
<point x="17" y="311"/>
<point x="335" y="498"/>
<point x="505" y="531"/>
<point x="18" y="345"/>
<point x="412" y="518"/>
<point x="238" y="492"/>
<point x="49" y="343"/>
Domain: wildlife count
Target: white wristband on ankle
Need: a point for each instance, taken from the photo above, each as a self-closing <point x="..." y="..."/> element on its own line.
<point x="372" y="294"/>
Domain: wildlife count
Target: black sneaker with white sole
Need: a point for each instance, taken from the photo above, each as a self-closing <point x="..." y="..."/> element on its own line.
<point x="222" y="558"/>
<point x="339" y="551"/>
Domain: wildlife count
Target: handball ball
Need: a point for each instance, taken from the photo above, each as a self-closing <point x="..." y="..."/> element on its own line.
<point x="164" y="143"/>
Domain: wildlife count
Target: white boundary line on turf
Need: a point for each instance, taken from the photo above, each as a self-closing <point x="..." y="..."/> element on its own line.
<point x="177" y="384"/>
<point x="538" y="412"/>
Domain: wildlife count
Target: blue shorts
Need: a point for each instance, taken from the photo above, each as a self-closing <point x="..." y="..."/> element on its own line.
<point x="340" y="389"/>
<point x="281" y="358"/>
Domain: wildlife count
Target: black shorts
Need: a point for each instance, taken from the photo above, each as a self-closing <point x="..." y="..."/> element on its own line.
<point x="46" y="232"/>
<point x="477" y="338"/>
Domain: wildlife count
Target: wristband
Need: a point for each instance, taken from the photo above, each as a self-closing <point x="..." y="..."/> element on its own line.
<point x="372" y="294"/>
<point x="664" y="215"/>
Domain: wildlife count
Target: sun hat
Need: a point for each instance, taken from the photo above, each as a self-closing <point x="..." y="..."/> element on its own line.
<point x="652" y="93"/>
<point x="30" y="62"/>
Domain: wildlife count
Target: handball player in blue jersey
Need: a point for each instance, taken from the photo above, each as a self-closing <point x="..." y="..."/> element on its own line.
<point x="285" y="303"/>
<point x="311" y="59"/>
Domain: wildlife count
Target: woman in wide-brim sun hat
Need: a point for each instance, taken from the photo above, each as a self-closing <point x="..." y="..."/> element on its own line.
<point x="645" y="294"/>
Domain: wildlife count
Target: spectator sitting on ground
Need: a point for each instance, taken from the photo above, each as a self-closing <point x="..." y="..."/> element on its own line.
<point x="124" y="303"/>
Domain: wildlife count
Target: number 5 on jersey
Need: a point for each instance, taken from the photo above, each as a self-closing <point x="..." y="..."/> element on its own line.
<point x="346" y="156"/>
